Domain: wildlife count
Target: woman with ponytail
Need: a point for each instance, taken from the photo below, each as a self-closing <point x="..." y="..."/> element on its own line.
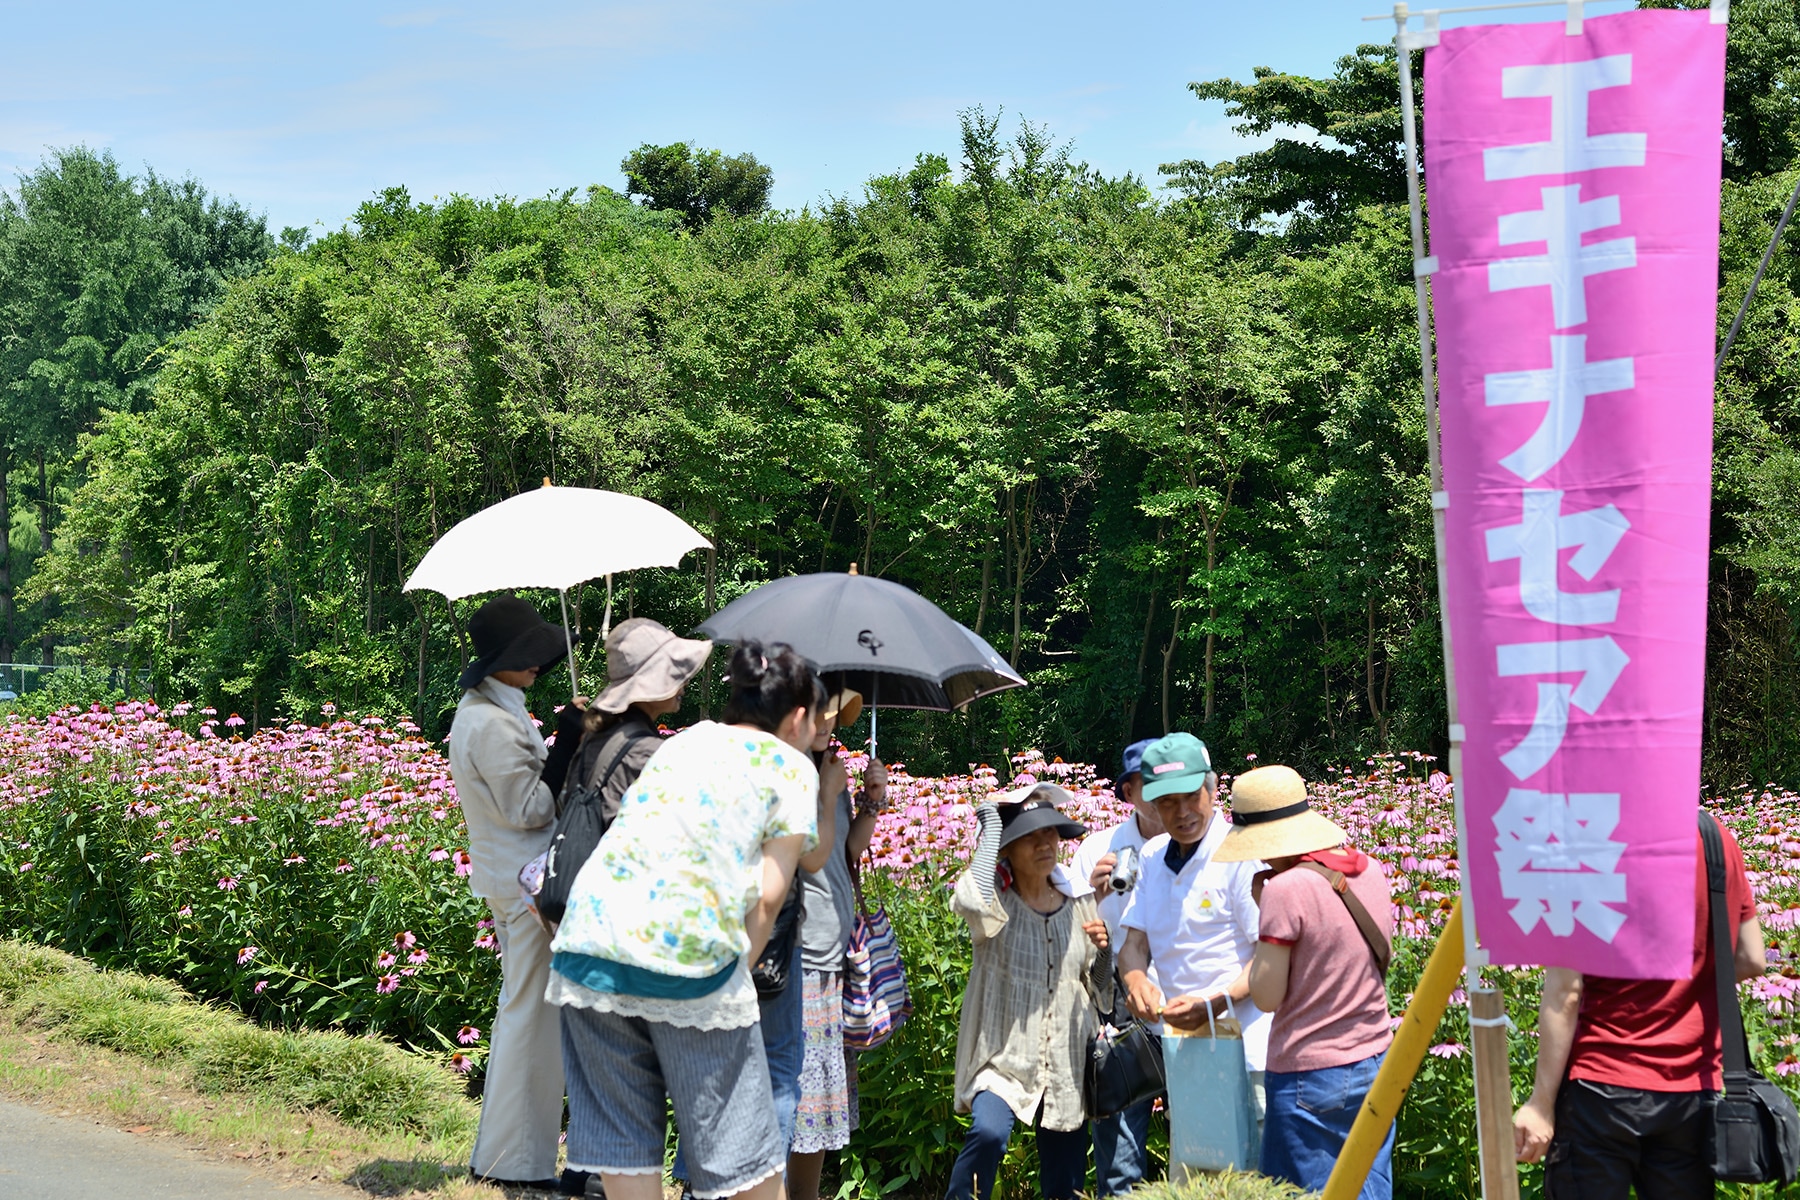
<point x="652" y="960"/>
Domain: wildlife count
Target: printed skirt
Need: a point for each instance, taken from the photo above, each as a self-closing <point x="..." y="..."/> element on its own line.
<point x="828" y="1105"/>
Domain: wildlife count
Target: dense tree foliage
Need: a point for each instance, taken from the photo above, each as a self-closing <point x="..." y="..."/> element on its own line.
<point x="98" y="270"/>
<point x="1166" y="453"/>
<point x="697" y="183"/>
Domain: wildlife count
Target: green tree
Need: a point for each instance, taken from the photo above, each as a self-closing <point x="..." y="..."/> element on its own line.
<point x="696" y="182"/>
<point x="98" y="270"/>
<point x="1353" y="158"/>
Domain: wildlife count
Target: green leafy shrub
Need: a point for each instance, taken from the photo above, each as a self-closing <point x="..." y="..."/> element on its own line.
<point x="1227" y="1185"/>
<point x="363" y="1081"/>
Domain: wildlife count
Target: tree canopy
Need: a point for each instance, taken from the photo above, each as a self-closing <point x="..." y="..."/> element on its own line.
<point x="1165" y="451"/>
<point x="698" y="184"/>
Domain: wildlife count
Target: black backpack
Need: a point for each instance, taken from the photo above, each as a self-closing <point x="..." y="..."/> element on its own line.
<point x="579" y="828"/>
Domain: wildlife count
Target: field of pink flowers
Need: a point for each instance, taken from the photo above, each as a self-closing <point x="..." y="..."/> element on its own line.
<point x="313" y="874"/>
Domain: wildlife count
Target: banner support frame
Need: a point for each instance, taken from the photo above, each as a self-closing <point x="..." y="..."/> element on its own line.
<point x="1492" y="1066"/>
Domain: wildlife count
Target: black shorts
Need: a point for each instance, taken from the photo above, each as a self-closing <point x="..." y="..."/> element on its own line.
<point x="1610" y="1140"/>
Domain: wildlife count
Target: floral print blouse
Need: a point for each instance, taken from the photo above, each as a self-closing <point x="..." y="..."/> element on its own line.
<point x="671" y="884"/>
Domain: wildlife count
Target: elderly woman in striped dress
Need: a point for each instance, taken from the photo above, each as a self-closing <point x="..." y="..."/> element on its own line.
<point x="1041" y="973"/>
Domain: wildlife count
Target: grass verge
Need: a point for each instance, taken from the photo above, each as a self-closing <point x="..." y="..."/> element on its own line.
<point x="139" y="1051"/>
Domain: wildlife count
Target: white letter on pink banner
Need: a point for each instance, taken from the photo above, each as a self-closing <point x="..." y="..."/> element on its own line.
<point x="1574" y="215"/>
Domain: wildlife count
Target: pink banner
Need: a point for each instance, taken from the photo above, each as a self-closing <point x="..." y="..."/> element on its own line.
<point x="1573" y="184"/>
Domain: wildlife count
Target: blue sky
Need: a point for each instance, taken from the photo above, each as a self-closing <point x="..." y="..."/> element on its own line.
<point x="303" y="111"/>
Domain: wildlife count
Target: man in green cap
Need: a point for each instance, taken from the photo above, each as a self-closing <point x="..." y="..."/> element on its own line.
<point x="1193" y="917"/>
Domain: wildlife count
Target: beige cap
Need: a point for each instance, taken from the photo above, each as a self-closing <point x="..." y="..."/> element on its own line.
<point x="646" y="662"/>
<point x="1272" y="818"/>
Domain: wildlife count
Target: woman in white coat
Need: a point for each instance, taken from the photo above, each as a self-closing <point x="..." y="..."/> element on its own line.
<point x="507" y="781"/>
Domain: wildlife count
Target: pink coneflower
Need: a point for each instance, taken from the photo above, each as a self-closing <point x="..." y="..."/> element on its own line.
<point x="184" y="911"/>
<point x="405" y="939"/>
<point x="384" y="960"/>
<point x="463" y="865"/>
<point x="245" y="955"/>
<point x="461" y="1063"/>
<point x="486" y="941"/>
<point x="343" y="867"/>
<point x="228" y="884"/>
<point x="386" y="984"/>
<point x="233" y="721"/>
<point x="468" y="1035"/>
<point x="24" y="867"/>
<point x="260" y="985"/>
<point x="439" y="854"/>
<point x="1448" y="1050"/>
<point x="293" y="860"/>
<point x="417" y="957"/>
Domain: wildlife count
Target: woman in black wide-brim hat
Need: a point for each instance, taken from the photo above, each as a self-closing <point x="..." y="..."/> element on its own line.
<point x="507" y="780"/>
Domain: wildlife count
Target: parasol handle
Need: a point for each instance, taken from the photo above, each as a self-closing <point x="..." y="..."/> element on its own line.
<point x="606" y="621"/>
<point x="569" y="641"/>
<point x="874" y="714"/>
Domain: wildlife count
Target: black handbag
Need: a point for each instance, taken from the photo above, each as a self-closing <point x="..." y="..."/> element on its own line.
<point x="770" y="974"/>
<point x="579" y="828"/>
<point x="1755" y="1131"/>
<point x="1124" y="1066"/>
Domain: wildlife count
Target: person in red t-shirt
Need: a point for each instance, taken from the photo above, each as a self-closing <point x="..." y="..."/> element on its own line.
<point x="1625" y="1066"/>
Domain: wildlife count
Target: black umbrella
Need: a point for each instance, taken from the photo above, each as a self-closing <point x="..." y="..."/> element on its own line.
<point x="882" y="639"/>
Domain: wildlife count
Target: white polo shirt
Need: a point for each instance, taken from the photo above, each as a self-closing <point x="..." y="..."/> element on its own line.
<point x="1201" y="925"/>
<point x="1093" y="848"/>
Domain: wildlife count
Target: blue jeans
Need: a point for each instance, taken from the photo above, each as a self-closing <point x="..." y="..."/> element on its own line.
<point x="784" y="1045"/>
<point x="1062" y="1155"/>
<point x="1310" y="1114"/>
<point x="1119" y="1149"/>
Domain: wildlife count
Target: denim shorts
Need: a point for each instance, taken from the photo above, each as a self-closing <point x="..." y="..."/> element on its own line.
<point x="1309" y="1117"/>
<point x="619" y="1070"/>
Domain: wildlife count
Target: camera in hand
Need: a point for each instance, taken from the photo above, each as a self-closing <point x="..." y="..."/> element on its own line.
<point x="1125" y="871"/>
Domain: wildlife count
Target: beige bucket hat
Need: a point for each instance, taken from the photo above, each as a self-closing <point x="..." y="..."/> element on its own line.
<point x="646" y="661"/>
<point x="843" y="707"/>
<point x="1271" y="818"/>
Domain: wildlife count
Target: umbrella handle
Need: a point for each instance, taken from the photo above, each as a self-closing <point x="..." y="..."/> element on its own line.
<point x="569" y="641"/>
<point x="874" y="715"/>
<point x="606" y="621"/>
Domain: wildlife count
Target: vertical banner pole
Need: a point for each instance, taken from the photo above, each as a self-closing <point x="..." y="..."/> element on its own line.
<point x="1493" y="1073"/>
<point x="1493" y="1091"/>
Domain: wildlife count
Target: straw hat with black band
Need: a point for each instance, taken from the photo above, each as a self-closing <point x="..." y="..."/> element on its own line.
<point x="510" y="636"/>
<point x="645" y="662"/>
<point x="1272" y="818"/>
<point x="843" y="707"/>
<point x="1027" y="809"/>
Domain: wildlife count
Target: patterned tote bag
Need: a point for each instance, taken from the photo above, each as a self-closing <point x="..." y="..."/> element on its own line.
<point x="875" y="999"/>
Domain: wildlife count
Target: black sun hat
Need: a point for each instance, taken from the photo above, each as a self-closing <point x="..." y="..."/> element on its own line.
<point x="1033" y="807"/>
<point x="510" y="636"/>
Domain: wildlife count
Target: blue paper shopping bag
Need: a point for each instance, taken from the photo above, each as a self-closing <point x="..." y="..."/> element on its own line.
<point x="1212" y="1113"/>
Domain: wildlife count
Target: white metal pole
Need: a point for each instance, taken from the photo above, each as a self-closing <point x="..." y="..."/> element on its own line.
<point x="569" y="641"/>
<point x="1499" y="1177"/>
<point x="874" y="712"/>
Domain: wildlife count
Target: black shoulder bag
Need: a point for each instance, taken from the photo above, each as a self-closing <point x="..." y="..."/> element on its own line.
<point x="578" y="830"/>
<point x="1125" y="1063"/>
<point x="1755" y="1134"/>
<point x="770" y="974"/>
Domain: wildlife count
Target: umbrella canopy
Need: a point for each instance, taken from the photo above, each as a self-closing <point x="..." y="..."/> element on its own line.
<point x="888" y="642"/>
<point x="553" y="537"/>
